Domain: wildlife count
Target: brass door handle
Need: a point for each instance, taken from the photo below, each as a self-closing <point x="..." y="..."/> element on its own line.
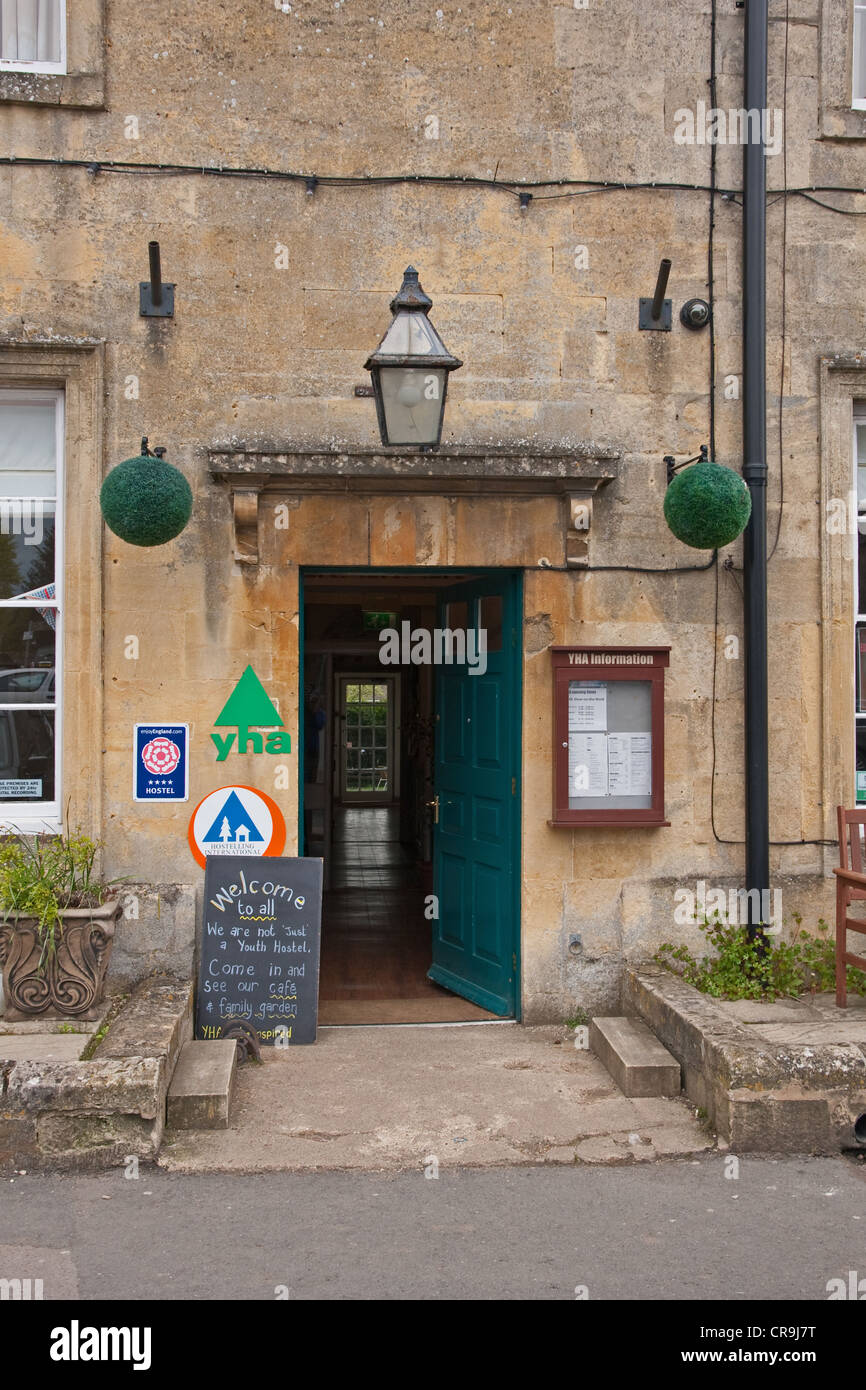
<point x="435" y="804"/>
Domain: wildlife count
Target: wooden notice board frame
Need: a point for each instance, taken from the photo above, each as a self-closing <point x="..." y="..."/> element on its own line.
<point x="604" y="666"/>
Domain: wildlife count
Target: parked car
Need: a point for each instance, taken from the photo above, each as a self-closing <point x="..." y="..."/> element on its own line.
<point x="30" y="685"/>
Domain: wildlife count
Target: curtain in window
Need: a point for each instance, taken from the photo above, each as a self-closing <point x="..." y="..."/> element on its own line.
<point x="30" y="31"/>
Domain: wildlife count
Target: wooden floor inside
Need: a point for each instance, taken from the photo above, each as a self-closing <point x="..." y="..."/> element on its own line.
<point x="376" y="941"/>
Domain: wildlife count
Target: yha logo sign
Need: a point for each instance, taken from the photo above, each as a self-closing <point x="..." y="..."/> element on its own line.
<point x="250" y="709"/>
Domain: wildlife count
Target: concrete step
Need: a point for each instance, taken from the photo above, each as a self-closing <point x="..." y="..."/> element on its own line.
<point x="635" y="1058"/>
<point x="200" y="1094"/>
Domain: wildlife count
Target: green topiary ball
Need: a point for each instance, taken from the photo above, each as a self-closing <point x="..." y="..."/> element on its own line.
<point x="707" y="506"/>
<point x="146" y="501"/>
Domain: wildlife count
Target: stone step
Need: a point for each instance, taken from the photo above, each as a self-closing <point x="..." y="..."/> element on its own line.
<point x="200" y="1094"/>
<point x="635" y="1058"/>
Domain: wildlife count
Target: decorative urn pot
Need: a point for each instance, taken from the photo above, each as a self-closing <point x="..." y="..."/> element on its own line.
<point x="66" y="981"/>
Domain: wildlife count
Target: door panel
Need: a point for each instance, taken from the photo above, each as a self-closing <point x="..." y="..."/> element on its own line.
<point x="475" y="843"/>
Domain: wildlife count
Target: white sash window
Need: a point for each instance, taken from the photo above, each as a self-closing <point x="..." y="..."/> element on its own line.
<point x="33" y="35"/>
<point x="31" y="629"/>
<point x="859" y="87"/>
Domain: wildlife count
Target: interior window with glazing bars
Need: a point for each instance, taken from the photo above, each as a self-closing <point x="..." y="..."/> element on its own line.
<point x="31" y="459"/>
<point x="33" y="35"/>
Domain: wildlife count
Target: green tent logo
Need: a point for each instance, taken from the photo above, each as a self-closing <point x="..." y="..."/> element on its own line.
<point x="248" y="709"/>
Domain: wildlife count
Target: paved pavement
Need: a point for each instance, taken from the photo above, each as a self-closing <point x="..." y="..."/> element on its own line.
<point x="686" y="1229"/>
<point x="395" y="1098"/>
<point x="813" y="1020"/>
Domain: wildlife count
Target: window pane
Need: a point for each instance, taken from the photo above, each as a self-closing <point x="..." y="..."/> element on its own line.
<point x="26" y="546"/>
<point x="609" y="745"/>
<point x="860" y="662"/>
<point x="490" y="620"/>
<point x="30" y="30"/>
<point x="861" y="763"/>
<point x="28" y="447"/>
<point x="457" y="615"/>
<point x="26" y="755"/>
<point x="26" y="657"/>
<point x="859" y="54"/>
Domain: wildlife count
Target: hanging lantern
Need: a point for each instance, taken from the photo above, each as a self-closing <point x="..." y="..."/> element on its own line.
<point x="707" y="505"/>
<point x="410" y="371"/>
<point x="146" y="501"/>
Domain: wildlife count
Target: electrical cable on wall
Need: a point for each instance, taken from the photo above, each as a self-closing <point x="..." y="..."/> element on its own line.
<point x="514" y="188"/>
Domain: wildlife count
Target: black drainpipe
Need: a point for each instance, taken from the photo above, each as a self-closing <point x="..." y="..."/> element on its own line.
<point x="755" y="459"/>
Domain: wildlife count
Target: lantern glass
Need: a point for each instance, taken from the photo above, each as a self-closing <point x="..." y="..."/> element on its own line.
<point x="411" y="335"/>
<point x="413" y="400"/>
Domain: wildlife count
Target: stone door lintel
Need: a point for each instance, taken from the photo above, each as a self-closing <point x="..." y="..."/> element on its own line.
<point x="575" y="475"/>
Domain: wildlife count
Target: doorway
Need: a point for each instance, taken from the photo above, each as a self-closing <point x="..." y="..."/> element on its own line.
<point x="410" y="791"/>
<point x="367" y="761"/>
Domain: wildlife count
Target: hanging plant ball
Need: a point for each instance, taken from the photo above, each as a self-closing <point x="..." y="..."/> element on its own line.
<point x="707" y="506"/>
<point x="146" y="501"/>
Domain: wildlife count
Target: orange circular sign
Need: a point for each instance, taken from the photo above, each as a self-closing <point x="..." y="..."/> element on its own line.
<point x="236" y="820"/>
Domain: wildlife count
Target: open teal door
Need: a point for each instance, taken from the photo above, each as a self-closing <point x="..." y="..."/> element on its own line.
<point x="476" y="845"/>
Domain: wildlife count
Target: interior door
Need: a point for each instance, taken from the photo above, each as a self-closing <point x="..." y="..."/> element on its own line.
<point x="476" y="847"/>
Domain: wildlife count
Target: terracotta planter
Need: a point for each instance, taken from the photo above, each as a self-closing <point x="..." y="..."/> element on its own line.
<point x="71" y="981"/>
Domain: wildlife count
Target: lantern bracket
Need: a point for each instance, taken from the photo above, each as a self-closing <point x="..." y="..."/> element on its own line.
<point x="655" y="314"/>
<point x="673" y="467"/>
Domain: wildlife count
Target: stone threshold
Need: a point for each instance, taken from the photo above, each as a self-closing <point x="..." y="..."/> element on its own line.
<point x="77" y="1115"/>
<point x="789" y="1092"/>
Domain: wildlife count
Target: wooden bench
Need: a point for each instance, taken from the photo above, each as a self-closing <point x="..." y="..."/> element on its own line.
<point x="850" y="887"/>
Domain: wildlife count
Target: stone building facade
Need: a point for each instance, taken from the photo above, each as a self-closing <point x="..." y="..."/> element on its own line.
<point x="556" y="426"/>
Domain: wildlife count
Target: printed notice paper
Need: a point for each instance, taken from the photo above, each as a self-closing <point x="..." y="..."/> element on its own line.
<point x="629" y="762"/>
<point x="587" y="708"/>
<point x="587" y="764"/>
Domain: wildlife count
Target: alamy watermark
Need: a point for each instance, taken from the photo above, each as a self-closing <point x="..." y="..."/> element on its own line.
<point x="439" y="646"/>
<point x="741" y="906"/>
<point x="23" y="516"/>
<point x="712" y="125"/>
<point x="21" y="1290"/>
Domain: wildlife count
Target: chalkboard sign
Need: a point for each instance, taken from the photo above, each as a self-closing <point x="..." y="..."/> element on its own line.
<point x="259" y="959"/>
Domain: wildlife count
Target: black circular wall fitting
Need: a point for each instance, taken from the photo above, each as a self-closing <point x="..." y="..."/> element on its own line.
<point x="695" y="313"/>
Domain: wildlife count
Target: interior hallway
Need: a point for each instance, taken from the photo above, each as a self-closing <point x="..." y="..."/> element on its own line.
<point x="376" y="941"/>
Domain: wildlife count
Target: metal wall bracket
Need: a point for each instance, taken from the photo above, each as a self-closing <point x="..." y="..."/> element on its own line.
<point x="645" y="318"/>
<point x="155" y="300"/>
<point x="146" y="307"/>
<point x="655" y="315"/>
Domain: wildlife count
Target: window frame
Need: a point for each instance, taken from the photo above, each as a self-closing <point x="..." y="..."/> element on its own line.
<point x="24" y="816"/>
<point x="858" y="103"/>
<point x="858" y="418"/>
<point x="59" y="68"/>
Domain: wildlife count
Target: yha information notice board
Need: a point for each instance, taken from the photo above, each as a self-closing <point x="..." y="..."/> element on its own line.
<point x="260" y="940"/>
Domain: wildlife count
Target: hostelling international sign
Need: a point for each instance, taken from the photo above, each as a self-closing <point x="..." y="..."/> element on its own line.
<point x="236" y="820"/>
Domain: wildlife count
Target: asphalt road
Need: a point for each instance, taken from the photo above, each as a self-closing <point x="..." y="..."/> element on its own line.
<point x="661" y="1231"/>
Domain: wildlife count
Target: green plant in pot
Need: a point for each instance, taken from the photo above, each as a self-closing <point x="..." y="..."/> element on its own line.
<point x="57" y="925"/>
